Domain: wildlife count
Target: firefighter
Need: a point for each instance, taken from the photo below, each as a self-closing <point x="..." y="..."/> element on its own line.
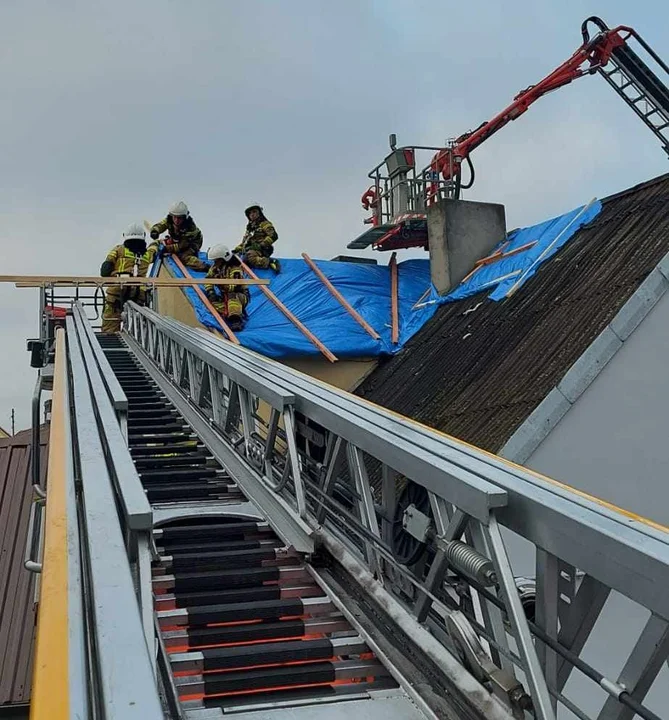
<point x="257" y="245"/>
<point x="184" y="239"/>
<point x="131" y="259"/>
<point x="229" y="300"/>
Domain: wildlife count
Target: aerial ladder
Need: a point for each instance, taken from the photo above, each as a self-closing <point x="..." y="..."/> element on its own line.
<point x="224" y="536"/>
<point x="401" y="194"/>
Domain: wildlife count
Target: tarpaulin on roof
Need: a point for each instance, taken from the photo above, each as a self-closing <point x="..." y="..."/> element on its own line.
<point x="367" y="289"/>
<point x="540" y="241"/>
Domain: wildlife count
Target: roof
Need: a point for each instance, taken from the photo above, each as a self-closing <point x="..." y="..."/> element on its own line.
<point x="3" y="433"/>
<point x="17" y="585"/>
<point x="478" y="368"/>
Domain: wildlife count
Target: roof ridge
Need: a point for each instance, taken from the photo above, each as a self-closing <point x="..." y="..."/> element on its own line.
<point x="636" y="188"/>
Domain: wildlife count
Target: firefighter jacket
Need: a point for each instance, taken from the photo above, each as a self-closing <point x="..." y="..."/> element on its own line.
<point x="121" y="261"/>
<point x="187" y="238"/>
<point x="231" y="271"/>
<point x="260" y="235"/>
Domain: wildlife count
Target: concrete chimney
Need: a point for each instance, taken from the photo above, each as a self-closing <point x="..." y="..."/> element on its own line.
<point x="460" y="232"/>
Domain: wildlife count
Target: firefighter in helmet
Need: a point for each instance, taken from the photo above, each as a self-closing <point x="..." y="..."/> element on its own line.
<point x="257" y="245"/>
<point x="184" y="238"/>
<point x="229" y="300"/>
<point x="131" y="259"/>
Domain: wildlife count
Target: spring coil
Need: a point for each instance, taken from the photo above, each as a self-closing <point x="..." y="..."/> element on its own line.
<point x="471" y="562"/>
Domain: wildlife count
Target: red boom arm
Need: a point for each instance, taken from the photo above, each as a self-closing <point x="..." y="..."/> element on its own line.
<point x="595" y="52"/>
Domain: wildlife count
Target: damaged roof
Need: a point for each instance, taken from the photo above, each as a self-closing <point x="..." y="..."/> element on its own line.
<point x="478" y="368"/>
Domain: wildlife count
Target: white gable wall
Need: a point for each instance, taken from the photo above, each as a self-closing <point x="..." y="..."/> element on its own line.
<point x="605" y="430"/>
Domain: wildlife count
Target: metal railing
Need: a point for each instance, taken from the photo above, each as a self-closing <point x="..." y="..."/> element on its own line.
<point x="396" y="193"/>
<point x="331" y="470"/>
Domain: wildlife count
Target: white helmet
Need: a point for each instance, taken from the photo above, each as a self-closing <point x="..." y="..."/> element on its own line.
<point x="180" y="209"/>
<point x="221" y="252"/>
<point x="134" y="232"/>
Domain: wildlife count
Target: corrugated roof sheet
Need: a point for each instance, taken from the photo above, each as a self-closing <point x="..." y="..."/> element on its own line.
<point x="17" y="585"/>
<point x="478" y="368"/>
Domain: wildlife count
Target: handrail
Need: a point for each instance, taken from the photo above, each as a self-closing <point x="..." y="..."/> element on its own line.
<point x="275" y="396"/>
<point x="123" y="665"/>
<point x="59" y="674"/>
<point x="114" y="389"/>
<point x="585" y="547"/>
<point x="472" y="493"/>
<point x="136" y="507"/>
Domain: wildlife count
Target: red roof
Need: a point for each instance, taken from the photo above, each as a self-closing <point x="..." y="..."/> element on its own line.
<point x="17" y="585"/>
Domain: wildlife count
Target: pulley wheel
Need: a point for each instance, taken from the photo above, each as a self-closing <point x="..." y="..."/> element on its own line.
<point x="406" y="548"/>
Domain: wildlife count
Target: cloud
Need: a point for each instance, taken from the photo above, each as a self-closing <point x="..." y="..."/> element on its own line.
<point x="114" y="110"/>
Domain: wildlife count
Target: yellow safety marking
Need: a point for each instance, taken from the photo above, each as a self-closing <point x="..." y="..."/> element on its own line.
<point x="50" y="692"/>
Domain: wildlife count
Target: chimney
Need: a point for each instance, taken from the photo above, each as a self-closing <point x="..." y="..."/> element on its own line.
<point x="460" y="232"/>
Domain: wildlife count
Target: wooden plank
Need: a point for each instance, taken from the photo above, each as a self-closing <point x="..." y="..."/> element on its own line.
<point x="345" y="304"/>
<point x="394" y="314"/>
<point x="96" y="281"/>
<point x="298" y="324"/>
<point x="207" y="303"/>
<point x="419" y="303"/>
<point x="496" y="256"/>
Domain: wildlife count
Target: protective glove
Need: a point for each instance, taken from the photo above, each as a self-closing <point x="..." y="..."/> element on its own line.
<point x="107" y="268"/>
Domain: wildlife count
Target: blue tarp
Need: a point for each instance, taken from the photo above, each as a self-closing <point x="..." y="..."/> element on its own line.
<point x="367" y="289"/>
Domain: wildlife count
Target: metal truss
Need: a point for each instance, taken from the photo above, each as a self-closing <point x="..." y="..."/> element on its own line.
<point x="335" y="473"/>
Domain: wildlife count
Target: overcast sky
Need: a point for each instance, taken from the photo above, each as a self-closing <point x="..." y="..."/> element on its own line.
<point x="111" y="111"/>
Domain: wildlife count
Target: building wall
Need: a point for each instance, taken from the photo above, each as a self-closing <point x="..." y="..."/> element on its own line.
<point x="613" y="442"/>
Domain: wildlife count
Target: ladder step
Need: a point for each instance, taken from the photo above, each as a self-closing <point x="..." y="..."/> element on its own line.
<point x="227" y="560"/>
<point x="163" y="449"/>
<point x="215" y="529"/>
<point x="180" y="474"/>
<point x="212" y="546"/>
<point x="274" y="653"/>
<point x="266" y="679"/>
<point x="241" y="612"/>
<point x="190" y="491"/>
<point x="233" y="634"/>
<point x="142" y="438"/>
<point x="149" y="429"/>
<point x="168" y="601"/>
<point x="250" y="577"/>
<point x="143" y="463"/>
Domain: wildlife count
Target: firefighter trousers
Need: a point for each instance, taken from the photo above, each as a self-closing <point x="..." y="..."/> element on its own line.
<point x="115" y="297"/>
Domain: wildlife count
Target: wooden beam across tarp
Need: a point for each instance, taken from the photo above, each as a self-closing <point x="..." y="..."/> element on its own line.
<point x="95" y="281"/>
<point x="344" y="302"/>
<point x="288" y="314"/>
<point x="394" y="303"/>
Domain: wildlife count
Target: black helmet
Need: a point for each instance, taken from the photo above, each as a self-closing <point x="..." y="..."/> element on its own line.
<point x="255" y="206"/>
